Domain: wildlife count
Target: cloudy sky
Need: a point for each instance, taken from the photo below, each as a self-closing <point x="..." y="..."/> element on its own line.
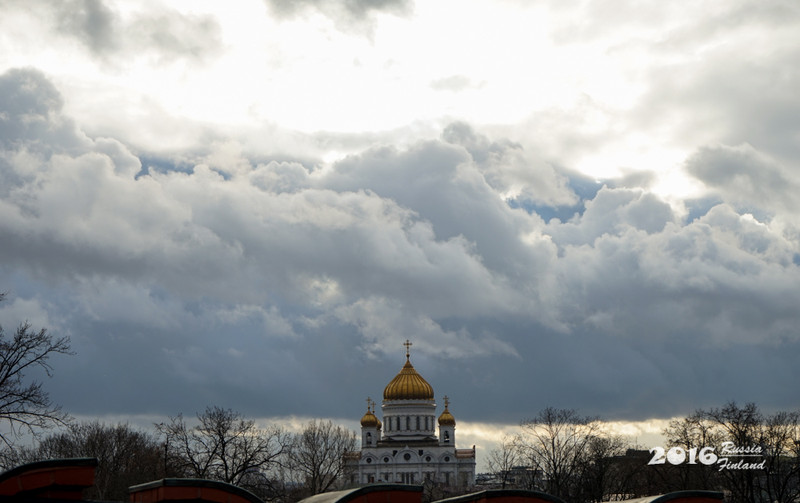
<point x="580" y="204"/>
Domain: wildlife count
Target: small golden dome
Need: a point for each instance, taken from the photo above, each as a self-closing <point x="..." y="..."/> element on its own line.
<point x="408" y="385"/>
<point x="370" y="420"/>
<point x="447" y="419"/>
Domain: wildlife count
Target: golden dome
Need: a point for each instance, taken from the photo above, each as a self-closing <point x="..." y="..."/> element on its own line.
<point x="447" y="419"/>
<point x="408" y="385"/>
<point x="370" y="420"/>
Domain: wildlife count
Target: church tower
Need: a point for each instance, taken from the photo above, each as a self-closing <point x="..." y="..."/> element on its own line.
<point x="408" y="407"/>
<point x="447" y="425"/>
<point x="370" y="426"/>
<point x="404" y="447"/>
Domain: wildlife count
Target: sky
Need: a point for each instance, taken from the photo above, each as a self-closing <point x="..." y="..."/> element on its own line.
<point x="588" y="205"/>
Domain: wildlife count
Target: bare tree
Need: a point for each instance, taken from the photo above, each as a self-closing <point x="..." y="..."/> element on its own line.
<point x="223" y="446"/>
<point x="742" y="426"/>
<point x="776" y="438"/>
<point x="24" y="404"/>
<point x="601" y="474"/>
<point x="772" y="446"/>
<point x="502" y="461"/>
<point x="317" y="454"/>
<point x="555" y="443"/>
<point x="782" y="457"/>
<point x="692" y="432"/>
<point x="126" y="456"/>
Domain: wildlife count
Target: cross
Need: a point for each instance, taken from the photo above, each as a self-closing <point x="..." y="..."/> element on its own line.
<point x="408" y="345"/>
<point x="369" y="401"/>
<point x="446" y="401"/>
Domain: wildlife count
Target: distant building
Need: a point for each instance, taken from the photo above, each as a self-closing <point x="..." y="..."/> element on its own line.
<point x="404" y="447"/>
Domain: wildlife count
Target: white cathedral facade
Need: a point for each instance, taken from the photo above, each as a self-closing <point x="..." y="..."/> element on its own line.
<point x="404" y="447"/>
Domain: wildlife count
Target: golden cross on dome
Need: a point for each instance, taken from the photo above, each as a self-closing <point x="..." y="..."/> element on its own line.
<point x="408" y="345"/>
<point x="372" y="404"/>
<point x="369" y="401"/>
<point x="446" y="401"/>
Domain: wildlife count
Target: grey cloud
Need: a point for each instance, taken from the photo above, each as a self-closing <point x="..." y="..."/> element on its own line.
<point x="212" y="282"/>
<point x="756" y="105"/>
<point x="356" y="8"/>
<point x="89" y="212"/>
<point x="725" y="88"/>
<point x="27" y="97"/>
<point x="175" y="35"/>
<point x="91" y="21"/>
<point x="512" y="171"/>
<point x="382" y="322"/>
<point x="99" y="27"/>
<point x="725" y="75"/>
<point x="30" y="114"/>
<point x="566" y="135"/>
<point x="15" y="310"/>
<point x="744" y="175"/>
<point x="612" y="211"/>
<point x="354" y="16"/>
<point x="440" y="184"/>
<point x="280" y="177"/>
<point x="723" y="272"/>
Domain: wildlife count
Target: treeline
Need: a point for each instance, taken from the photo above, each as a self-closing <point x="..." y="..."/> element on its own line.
<point x="751" y="456"/>
<point x="221" y="444"/>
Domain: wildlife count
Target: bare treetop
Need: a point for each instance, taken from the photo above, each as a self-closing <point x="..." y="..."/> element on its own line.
<point x="25" y="405"/>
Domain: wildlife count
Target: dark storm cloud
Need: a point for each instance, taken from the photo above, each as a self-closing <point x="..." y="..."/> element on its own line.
<point x="279" y="289"/>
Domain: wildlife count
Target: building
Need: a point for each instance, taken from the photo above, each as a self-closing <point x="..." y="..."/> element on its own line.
<point x="404" y="447"/>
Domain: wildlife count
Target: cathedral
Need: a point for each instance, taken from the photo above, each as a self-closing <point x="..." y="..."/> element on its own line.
<point x="404" y="448"/>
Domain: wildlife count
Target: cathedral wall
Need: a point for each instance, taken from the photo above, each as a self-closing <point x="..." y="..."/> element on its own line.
<point x="409" y="419"/>
<point x="415" y="466"/>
